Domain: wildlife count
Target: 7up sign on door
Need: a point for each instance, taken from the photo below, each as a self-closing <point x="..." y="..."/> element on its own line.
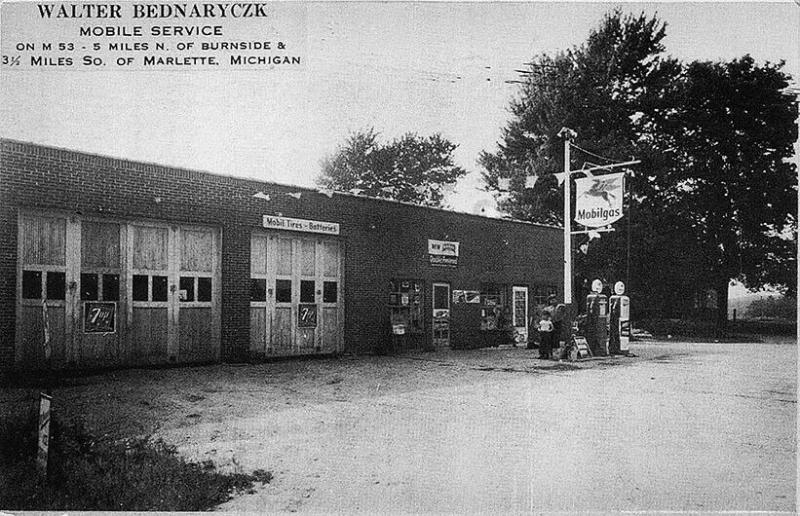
<point x="598" y="200"/>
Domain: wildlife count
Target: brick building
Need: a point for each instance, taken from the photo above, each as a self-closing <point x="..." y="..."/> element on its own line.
<point x="123" y="263"/>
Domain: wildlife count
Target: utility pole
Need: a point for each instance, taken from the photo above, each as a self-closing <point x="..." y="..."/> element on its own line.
<point x="568" y="135"/>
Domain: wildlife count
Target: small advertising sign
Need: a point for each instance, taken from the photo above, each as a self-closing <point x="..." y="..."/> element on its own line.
<point x="442" y="247"/>
<point x="307" y="316"/>
<point x="302" y="225"/>
<point x="598" y="200"/>
<point x="473" y="296"/>
<point x="466" y="296"/>
<point x="442" y="253"/>
<point x="99" y="317"/>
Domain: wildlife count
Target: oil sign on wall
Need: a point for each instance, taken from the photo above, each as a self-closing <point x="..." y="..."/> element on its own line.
<point x="442" y="253"/>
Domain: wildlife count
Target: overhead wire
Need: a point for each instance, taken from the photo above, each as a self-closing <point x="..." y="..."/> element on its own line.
<point x="593" y="154"/>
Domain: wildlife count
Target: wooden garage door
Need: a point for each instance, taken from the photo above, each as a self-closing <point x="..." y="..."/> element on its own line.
<point x="107" y="293"/>
<point x="296" y="295"/>
<point x="174" y="294"/>
<point x="42" y="293"/>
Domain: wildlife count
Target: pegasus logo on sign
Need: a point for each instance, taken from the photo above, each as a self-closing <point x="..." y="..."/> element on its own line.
<point x="598" y="200"/>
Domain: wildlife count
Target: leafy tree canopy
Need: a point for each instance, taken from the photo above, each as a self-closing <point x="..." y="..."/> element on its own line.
<point x="714" y="197"/>
<point x="411" y="168"/>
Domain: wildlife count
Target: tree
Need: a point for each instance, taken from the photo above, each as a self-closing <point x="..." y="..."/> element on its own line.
<point x="600" y="89"/>
<point x="730" y="180"/>
<point x="411" y="168"/>
<point x="714" y="196"/>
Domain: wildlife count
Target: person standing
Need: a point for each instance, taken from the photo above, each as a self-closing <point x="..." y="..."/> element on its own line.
<point x="546" y="332"/>
<point x="556" y="312"/>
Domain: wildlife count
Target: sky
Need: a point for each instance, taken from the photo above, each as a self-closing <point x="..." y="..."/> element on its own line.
<point x="395" y="67"/>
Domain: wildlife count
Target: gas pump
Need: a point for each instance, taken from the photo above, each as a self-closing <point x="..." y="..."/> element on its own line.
<point x="620" y="324"/>
<point x="597" y="320"/>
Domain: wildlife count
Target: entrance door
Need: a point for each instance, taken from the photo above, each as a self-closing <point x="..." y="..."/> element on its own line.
<point x="520" y="314"/>
<point x="295" y="295"/>
<point x="441" y="314"/>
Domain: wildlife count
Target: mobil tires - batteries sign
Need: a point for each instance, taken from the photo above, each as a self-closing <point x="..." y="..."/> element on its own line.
<point x="598" y="200"/>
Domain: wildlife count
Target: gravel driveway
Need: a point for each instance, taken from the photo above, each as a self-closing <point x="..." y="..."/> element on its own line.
<point x="697" y="427"/>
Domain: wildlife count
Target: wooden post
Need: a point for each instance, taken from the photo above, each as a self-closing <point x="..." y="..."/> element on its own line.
<point x="43" y="443"/>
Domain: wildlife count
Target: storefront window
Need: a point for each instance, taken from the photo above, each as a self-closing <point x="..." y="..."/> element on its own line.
<point x="541" y="293"/>
<point x="493" y="306"/>
<point x="405" y="305"/>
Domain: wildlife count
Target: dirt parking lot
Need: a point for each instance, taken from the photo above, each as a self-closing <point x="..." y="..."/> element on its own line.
<point x="680" y="427"/>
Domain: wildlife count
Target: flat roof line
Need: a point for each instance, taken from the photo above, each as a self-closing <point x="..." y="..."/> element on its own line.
<point x="234" y="177"/>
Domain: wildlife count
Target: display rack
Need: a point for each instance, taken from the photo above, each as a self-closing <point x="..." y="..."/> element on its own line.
<point x="405" y="307"/>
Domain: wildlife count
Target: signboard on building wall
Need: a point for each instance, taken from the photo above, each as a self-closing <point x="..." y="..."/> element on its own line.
<point x="99" y="317"/>
<point x="466" y="296"/>
<point x="302" y="225"/>
<point x="442" y="253"/>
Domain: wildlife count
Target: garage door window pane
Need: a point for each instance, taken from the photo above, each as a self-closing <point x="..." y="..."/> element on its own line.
<point x="31" y="285"/>
<point x="89" y="287"/>
<point x="330" y="292"/>
<point x="56" y="287"/>
<point x="258" y="289"/>
<point x="204" y="289"/>
<point x="187" y="284"/>
<point x="283" y="291"/>
<point x="159" y="288"/>
<point x="306" y="291"/>
<point x="140" y="288"/>
<point x="110" y="287"/>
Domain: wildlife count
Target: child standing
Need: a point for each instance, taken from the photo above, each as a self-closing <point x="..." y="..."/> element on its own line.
<point x="545" y="336"/>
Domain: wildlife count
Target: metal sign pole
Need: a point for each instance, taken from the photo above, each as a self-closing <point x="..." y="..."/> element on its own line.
<point x="567" y="134"/>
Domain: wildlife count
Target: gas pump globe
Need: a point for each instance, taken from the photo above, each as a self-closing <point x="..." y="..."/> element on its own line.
<point x="620" y="324"/>
<point x="597" y="320"/>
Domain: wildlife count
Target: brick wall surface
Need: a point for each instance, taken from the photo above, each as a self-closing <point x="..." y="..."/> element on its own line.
<point x="382" y="240"/>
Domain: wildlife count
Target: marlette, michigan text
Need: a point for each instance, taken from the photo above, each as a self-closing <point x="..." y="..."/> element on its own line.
<point x="144" y="10"/>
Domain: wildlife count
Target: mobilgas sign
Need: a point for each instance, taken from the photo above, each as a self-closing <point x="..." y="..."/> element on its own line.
<point x="442" y="253"/>
<point x="598" y="200"/>
<point x="305" y="226"/>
